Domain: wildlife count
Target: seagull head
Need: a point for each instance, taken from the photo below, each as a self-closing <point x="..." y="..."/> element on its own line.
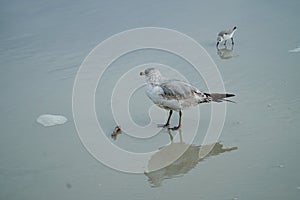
<point x="150" y="72"/>
<point x="152" y="75"/>
<point x="219" y="39"/>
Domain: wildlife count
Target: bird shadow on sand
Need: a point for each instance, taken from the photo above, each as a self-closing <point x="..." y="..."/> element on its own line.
<point x="188" y="159"/>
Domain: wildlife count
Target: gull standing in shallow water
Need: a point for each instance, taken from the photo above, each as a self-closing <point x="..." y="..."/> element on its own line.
<point x="226" y="35"/>
<point x="176" y="95"/>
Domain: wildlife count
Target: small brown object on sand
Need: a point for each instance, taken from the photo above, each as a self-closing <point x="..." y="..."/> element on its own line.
<point x="116" y="132"/>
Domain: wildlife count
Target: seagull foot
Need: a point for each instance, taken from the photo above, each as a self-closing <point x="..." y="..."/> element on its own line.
<point x="174" y="128"/>
<point x="163" y="125"/>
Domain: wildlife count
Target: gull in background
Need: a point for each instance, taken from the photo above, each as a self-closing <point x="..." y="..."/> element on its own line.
<point x="176" y="95"/>
<point x="226" y="35"/>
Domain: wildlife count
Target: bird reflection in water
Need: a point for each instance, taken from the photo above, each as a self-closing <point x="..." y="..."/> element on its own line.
<point x="187" y="161"/>
<point x="226" y="52"/>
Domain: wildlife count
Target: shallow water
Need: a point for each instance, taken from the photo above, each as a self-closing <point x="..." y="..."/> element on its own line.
<point x="42" y="46"/>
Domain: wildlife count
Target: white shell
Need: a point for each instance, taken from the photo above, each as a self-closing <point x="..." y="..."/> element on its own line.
<point x="51" y="120"/>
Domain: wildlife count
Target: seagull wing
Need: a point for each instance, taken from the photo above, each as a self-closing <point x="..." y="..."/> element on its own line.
<point x="179" y="90"/>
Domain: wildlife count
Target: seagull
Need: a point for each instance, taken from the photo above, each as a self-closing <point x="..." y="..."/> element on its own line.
<point x="226" y="35"/>
<point x="176" y="95"/>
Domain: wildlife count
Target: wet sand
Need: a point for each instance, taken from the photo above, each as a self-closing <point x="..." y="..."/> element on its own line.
<point x="42" y="47"/>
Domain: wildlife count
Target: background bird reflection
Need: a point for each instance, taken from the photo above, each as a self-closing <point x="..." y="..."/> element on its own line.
<point x="226" y="52"/>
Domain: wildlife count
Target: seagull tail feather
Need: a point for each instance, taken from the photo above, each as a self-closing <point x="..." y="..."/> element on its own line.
<point x="219" y="97"/>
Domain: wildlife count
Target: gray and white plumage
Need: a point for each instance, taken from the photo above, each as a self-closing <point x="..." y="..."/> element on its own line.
<point x="177" y="95"/>
<point x="226" y="35"/>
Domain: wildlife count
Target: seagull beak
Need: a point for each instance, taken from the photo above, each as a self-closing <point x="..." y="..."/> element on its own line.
<point x="142" y="73"/>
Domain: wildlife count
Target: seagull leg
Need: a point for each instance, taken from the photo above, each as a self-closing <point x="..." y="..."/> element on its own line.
<point x="179" y="123"/>
<point x="225" y="42"/>
<point x="217" y="44"/>
<point x="168" y="121"/>
<point x="232" y="42"/>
